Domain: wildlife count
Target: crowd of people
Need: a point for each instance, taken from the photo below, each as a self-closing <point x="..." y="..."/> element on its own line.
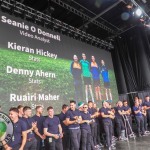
<point x="78" y="126"/>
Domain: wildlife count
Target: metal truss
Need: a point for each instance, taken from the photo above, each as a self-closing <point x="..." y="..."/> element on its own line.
<point x="82" y="15"/>
<point x="26" y="12"/>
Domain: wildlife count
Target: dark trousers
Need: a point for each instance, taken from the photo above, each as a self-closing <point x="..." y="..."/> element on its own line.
<point x="75" y="135"/>
<point x="16" y="147"/>
<point x="148" y="117"/>
<point x="54" y="144"/>
<point x="108" y="131"/>
<point x="85" y="140"/>
<point x="129" y="123"/>
<point x="94" y="132"/>
<point x="39" y="143"/>
<point x="113" y="127"/>
<point x="31" y="145"/>
<point x="140" y="124"/>
<point x="66" y="140"/>
<point x="98" y="133"/>
<point x="145" y="122"/>
<point x="120" y="126"/>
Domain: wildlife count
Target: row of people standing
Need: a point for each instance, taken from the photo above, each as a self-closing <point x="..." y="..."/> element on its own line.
<point x="87" y="69"/>
<point x="55" y="132"/>
<point x="77" y="128"/>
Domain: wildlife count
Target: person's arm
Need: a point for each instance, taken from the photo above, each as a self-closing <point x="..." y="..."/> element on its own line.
<point x="6" y="146"/>
<point x="85" y="121"/>
<point x="111" y="113"/>
<point x="60" y="131"/>
<point x="79" y="119"/>
<point x="144" y="112"/>
<point x="65" y="122"/>
<point x="94" y="115"/>
<point x="105" y="116"/>
<point x="128" y="112"/>
<point x="137" y="111"/>
<point x="68" y="122"/>
<point x="50" y="134"/>
<point x="121" y="112"/>
<point x="38" y="134"/>
<point x="24" y="139"/>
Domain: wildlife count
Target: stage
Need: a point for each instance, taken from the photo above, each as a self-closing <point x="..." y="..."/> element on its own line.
<point x="140" y="143"/>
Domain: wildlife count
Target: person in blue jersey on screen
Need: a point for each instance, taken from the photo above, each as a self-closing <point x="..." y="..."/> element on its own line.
<point x="76" y="73"/>
<point x="86" y="76"/>
<point x="95" y="70"/>
<point x="105" y="76"/>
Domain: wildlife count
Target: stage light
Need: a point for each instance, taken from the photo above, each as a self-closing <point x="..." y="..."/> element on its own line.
<point x="125" y="16"/>
<point x="138" y="12"/>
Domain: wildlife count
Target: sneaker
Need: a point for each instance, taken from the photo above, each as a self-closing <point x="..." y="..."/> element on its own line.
<point x="101" y="145"/>
<point x="113" y="147"/>
<point x="147" y="132"/>
<point x="115" y="138"/>
<point x="144" y="134"/>
<point x="113" y="144"/>
<point x="109" y="148"/>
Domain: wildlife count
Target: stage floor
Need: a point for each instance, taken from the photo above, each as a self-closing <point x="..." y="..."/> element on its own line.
<point x="140" y="143"/>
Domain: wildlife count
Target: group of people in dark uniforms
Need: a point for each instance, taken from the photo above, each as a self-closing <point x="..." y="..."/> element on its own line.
<point x="78" y="126"/>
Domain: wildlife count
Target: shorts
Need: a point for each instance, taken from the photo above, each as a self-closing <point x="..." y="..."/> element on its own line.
<point x="87" y="80"/>
<point x="107" y="85"/>
<point x="96" y="83"/>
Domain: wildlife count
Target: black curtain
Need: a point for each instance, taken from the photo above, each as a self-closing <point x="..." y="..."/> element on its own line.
<point x="131" y="58"/>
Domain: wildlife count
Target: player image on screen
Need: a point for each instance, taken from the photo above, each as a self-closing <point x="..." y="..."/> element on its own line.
<point x="95" y="70"/>
<point x="76" y="73"/>
<point x="86" y="77"/>
<point x="105" y="76"/>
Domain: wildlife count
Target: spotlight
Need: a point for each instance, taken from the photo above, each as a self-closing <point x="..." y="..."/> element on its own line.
<point x="138" y="12"/>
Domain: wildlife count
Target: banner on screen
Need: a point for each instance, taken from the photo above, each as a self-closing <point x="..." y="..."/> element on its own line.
<point x="43" y="67"/>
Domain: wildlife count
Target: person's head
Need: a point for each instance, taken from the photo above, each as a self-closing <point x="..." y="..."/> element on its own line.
<point x="27" y="111"/>
<point x="39" y="109"/>
<point x="20" y="108"/>
<point x="85" y="107"/>
<point x="136" y="98"/>
<point x="147" y="98"/>
<point x="125" y="103"/>
<point x="136" y="103"/>
<point x="110" y="106"/>
<point x="65" y="108"/>
<point x="140" y="101"/>
<point x="105" y="104"/>
<point x="75" y="58"/>
<point x="80" y="106"/>
<point x="50" y="111"/>
<point x="120" y="104"/>
<point x="83" y="56"/>
<point x="72" y="105"/>
<point x="13" y="114"/>
<point x="94" y="105"/>
<point x="102" y="62"/>
<point x="90" y="104"/>
<point x="93" y="58"/>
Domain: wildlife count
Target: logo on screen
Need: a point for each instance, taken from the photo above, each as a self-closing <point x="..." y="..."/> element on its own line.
<point x="6" y="129"/>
